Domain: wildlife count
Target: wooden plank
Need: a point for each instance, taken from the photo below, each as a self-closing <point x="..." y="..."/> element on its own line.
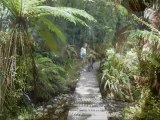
<point x="88" y="103"/>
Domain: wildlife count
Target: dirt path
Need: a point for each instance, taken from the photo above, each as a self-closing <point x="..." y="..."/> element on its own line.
<point x="88" y="103"/>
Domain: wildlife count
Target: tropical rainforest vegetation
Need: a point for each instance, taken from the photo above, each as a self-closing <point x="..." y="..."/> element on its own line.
<point x="39" y="52"/>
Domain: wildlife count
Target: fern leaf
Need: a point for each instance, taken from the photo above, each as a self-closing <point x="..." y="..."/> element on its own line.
<point x="48" y="37"/>
<point x="53" y="28"/>
<point x="70" y="14"/>
<point x="143" y="33"/>
<point x="12" y="6"/>
<point x="27" y="5"/>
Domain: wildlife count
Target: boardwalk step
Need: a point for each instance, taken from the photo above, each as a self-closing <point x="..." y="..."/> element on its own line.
<point x="88" y="103"/>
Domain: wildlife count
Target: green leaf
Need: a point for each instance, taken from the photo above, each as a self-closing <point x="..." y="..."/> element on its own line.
<point x="48" y="37"/>
<point x="123" y="11"/>
<point x="70" y="14"/>
<point x="53" y="28"/>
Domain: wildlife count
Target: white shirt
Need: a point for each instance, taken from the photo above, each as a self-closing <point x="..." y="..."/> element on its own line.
<point x="83" y="51"/>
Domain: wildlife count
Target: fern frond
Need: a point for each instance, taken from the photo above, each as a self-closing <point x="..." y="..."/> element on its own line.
<point x="32" y="3"/>
<point x="70" y="14"/>
<point x="48" y="37"/>
<point x="122" y="10"/>
<point x="78" y="12"/>
<point x="144" y="34"/>
<point x="51" y="77"/>
<point x="17" y="5"/>
<point x="70" y="51"/>
<point x="27" y="5"/>
<point x="13" y="6"/>
<point x="53" y="28"/>
<point x="154" y="62"/>
<point x="145" y="23"/>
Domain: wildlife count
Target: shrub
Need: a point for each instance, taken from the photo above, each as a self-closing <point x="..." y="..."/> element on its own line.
<point x="51" y="78"/>
<point x="116" y="72"/>
<point x="148" y="108"/>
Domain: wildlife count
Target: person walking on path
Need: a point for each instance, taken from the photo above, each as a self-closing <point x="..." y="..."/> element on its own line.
<point x="91" y="58"/>
<point x="83" y="54"/>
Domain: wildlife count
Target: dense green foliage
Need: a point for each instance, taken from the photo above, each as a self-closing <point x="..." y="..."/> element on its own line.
<point x="39" y="47"/>
<point x="25" y="74"/>
<point x="141" y="69"/>
<point x="117" y="69"/>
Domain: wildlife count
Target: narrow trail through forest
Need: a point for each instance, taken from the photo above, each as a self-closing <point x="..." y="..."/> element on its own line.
<point x="88" y="103"/>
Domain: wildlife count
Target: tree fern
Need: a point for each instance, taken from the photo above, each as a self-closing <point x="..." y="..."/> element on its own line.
<point x="20" y="43"/>
<point x="31" y="9"/>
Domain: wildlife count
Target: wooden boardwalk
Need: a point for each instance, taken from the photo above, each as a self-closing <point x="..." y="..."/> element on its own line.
<point x="88" y="103"/>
